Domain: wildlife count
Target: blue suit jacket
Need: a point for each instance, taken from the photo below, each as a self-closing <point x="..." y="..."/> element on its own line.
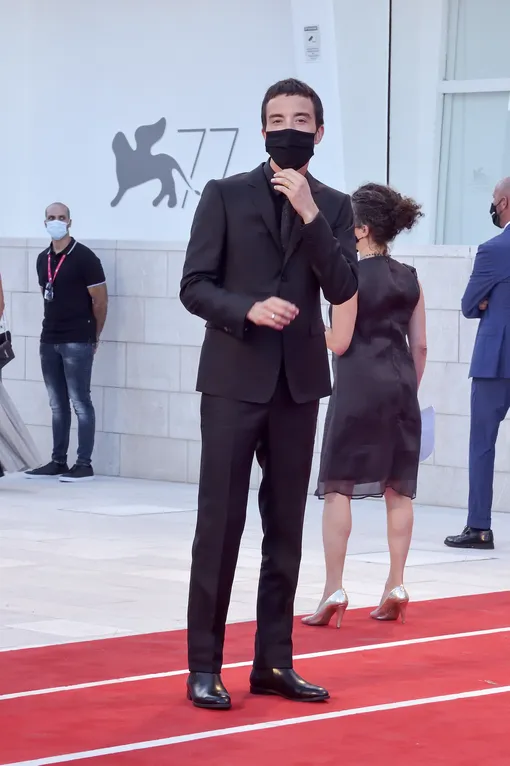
<point x="491" y="279"/>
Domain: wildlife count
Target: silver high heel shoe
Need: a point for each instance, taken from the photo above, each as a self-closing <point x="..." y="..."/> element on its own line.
<point x="393" y="606"/>
<point x="336" y="603"/>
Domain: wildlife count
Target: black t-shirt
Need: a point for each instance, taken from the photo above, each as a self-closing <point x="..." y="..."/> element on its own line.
<point x="69" y="317"/>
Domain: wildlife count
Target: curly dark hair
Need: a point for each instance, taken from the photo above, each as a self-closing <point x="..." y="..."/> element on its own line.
<point x="384" y="211"/>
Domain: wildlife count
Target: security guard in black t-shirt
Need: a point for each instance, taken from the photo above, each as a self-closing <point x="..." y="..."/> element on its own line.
<point x="73" y="285"/>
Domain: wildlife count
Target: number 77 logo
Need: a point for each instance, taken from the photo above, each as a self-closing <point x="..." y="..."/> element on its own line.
<point x="202" y="132"/>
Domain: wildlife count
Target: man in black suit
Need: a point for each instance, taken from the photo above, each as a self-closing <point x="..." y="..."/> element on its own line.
<point x="262" y="246"/>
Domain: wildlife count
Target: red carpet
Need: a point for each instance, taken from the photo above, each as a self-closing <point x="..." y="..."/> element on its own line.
<point x="160" y="652"/>
<point x="108" y="716"/>
<point x="463" y="733"/>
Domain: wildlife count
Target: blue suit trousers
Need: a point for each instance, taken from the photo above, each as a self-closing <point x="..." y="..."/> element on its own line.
<point x="490" y="402"/>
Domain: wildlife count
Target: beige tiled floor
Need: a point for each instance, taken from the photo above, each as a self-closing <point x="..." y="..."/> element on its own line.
<point x="112" y="558"/>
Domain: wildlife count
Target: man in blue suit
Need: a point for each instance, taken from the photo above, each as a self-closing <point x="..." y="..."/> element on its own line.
<point x="487" y="298"/>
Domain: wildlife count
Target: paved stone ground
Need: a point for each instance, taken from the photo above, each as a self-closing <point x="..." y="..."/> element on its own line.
<point x="112" y="558"/>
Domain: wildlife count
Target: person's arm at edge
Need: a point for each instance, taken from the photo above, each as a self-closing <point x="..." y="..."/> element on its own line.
<point x="481" y="282"/>
<point x="339" y="335"/>
<point x="99" y="296"/>
<point x="417" y="336"/>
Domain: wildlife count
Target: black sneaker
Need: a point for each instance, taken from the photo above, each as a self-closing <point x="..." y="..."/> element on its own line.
<point x="78" y="473"/>
<point x="50" y="471"/>
<point x="472" y="538"/>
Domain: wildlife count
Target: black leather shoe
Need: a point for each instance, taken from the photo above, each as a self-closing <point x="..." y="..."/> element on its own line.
<point x="285" y="682"/>
<point x="472" y="538"/>
<point x="206" y="690"/>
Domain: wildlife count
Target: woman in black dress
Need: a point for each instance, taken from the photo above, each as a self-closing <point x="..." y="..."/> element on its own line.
<point x="372" y="433"/>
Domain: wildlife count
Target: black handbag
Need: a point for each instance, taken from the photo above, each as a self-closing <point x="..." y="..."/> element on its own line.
<point x="6" y="350"/>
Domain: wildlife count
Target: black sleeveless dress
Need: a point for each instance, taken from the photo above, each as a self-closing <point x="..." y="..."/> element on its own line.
<point x="372" y="432"/>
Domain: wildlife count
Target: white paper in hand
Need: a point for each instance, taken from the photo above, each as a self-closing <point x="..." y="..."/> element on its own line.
<point x="428" y="418"/>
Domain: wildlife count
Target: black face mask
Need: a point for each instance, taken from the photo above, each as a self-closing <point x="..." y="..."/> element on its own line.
<point x="290" y="148"/>
<point x="495" y="215"/>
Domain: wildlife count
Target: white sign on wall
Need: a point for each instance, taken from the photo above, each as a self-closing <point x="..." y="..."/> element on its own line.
<point x="312" y="40"/>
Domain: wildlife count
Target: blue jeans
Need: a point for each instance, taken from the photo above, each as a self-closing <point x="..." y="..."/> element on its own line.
<point x="67" y="373"/>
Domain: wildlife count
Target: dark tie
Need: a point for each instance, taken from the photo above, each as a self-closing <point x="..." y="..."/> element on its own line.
<point x="286" y="224"/>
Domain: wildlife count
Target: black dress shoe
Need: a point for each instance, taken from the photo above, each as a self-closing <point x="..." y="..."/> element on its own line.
<point x="472" y="538"/>
<point x="285" y="682"/>
<point x="206" y="690"/>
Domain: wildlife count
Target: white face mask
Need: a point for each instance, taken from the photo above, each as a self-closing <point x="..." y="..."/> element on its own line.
<point x="56" y="229"/>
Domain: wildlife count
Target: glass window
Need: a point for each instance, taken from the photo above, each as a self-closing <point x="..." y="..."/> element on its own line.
<point x="478" y="32"/>
<point x="475" y="155"/>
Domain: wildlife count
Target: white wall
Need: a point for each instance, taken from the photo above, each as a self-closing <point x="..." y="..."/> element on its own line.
<point x="418" y="46"/>
<point x="362" y="35"/>
<point x="417" y="67"/>
<point x="145" y="371"/>
<point x="77" y="73"/>
<point x="74" y="74"/>
<point x="322" y="75"/>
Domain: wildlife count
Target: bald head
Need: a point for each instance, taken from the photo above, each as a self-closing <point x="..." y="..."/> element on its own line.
<point x="57" y="211"/>
<point x="500" y="209"/>
<point x="503" y="187"/>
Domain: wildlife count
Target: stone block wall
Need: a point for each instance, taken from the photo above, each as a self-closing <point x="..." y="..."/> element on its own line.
<point x="444" y="272"/>
<point x="144" y="375"/>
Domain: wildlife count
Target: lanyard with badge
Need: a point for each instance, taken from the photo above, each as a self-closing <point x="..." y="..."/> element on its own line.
<point x="48" y="290"/>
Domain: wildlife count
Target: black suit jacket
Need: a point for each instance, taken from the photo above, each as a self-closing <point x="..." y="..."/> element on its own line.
<point x="235" y="258"/>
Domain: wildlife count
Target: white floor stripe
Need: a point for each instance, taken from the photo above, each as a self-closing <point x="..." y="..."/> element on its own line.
<point x="311" y="656"/>
<point x="151" y="744"/>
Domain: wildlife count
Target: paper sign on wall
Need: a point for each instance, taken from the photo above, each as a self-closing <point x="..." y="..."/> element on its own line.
<point x="312" y="43"/>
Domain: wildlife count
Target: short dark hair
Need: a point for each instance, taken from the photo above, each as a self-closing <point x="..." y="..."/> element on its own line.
<point x="292" y="87"/>
<point x="384" y="211"/>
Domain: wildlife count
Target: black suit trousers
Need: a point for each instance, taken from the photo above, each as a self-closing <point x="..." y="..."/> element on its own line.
<point x="281" y="433"/>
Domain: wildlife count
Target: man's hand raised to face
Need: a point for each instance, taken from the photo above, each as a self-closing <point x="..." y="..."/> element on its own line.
<point x="273" y="312"/>
<point x="297" y="190"/>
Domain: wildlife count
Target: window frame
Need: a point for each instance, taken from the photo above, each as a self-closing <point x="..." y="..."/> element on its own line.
<point x="446" y="87"/>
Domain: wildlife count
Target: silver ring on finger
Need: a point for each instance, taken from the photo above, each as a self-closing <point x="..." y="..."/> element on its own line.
<point x="273" y="317"/>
